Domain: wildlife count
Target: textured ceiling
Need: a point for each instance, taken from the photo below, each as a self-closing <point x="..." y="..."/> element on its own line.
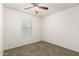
<point x="53" y="7"/>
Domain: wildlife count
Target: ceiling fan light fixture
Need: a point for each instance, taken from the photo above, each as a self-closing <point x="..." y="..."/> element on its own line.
<point x="35" y="9"/>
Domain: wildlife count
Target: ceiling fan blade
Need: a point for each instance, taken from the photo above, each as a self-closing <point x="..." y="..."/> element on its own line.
<point x="46" y="8"/>
<point x="27" y="8"/>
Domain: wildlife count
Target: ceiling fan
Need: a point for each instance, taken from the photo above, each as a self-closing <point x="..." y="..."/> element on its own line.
<point x="35" y="7"/>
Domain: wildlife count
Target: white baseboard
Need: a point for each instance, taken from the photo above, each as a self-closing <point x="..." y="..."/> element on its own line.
<point x="1" y="53"/>
<point x="60" y="45"/>
<point x="30" y="42"/>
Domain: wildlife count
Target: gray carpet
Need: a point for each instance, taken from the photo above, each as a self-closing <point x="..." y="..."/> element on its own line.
<point x="40" y="49"/>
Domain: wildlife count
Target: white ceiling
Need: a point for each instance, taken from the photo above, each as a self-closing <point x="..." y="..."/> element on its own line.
<point x="53" y="7"/>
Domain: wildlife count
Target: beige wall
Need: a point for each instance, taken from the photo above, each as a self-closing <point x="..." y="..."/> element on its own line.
<point x="1" y="28"/>
<point x="13" y="36"/>
<point x="62" y="28"/>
